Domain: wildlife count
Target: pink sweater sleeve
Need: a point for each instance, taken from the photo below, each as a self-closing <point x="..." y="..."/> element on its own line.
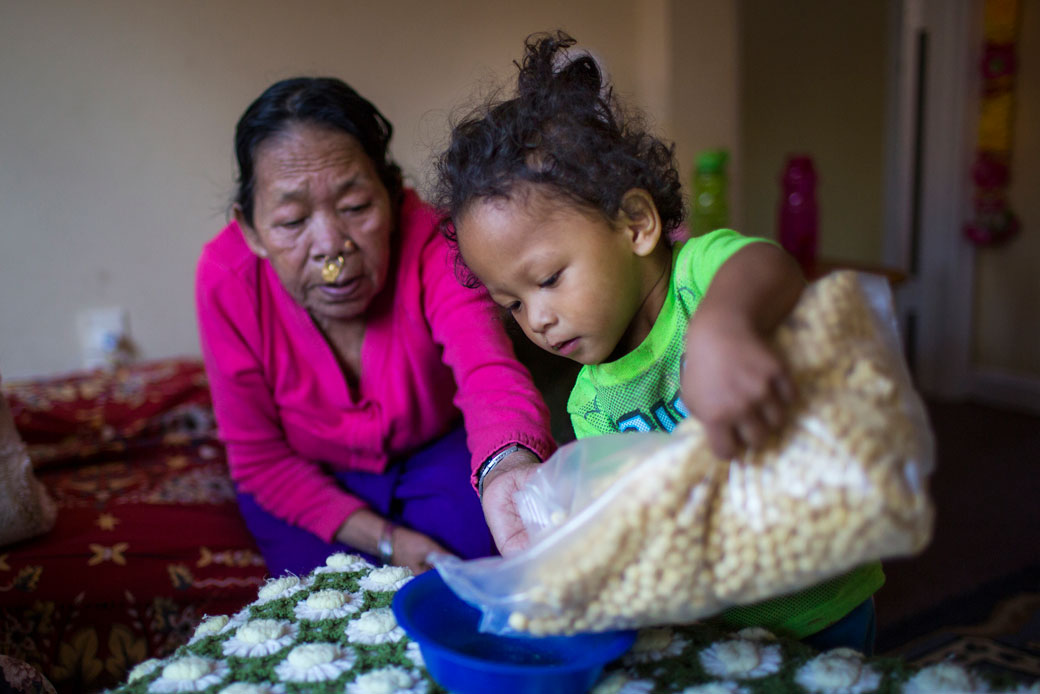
<point x="261" y="462"/>
<point x="496" y="395"/>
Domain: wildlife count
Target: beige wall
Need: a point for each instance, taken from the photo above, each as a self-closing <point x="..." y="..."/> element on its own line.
<point x="117" y="119"/>
<point x="706" y="87"/>
<point x="1007" y="312"/>
<point x="814" y="82"/>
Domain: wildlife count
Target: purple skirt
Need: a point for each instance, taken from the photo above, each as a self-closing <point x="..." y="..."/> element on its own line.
<point x="428" y="491"/>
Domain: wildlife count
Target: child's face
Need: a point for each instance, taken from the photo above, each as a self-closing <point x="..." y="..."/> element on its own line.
<point x="570" y="279"/>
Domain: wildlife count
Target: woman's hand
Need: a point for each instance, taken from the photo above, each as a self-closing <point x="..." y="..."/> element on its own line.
<point x="364" y="529"/>
<point x="504" y="480"/>
<point x="733" y="383"/>
<point x="411" y="548"/>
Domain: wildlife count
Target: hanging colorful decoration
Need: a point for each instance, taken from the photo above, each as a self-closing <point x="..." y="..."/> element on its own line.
<point x="994" y="221"/>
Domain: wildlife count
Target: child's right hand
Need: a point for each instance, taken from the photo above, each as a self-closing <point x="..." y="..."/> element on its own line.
<point x="733" y="383"/>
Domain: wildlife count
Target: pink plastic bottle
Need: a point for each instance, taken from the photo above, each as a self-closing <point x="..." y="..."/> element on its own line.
<point x="798" y="219"/>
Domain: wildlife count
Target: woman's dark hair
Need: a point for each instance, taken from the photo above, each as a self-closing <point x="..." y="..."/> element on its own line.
<point x="324" y="101"/>
<point x="565" y="130"/>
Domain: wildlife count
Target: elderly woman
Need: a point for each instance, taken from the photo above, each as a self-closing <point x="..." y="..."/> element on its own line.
<point x="341" y="350"/>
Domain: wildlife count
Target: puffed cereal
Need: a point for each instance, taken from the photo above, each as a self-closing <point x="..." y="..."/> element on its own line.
<point x="684" y="535"/>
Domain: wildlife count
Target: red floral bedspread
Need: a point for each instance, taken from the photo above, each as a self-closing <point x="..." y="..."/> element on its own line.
<point x="148" y="537"/>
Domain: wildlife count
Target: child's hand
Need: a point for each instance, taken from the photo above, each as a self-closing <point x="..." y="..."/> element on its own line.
<point x="733" y="383"/>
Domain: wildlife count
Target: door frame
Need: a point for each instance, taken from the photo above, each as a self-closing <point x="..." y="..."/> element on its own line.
<point x="931" y="119"/>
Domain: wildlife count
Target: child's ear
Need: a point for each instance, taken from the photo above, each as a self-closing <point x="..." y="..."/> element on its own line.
<point x="248" y="232"/>
<point x="639" y="220"/>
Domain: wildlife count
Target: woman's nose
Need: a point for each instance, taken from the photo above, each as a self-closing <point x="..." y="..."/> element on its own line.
<point x="327" y="237"/>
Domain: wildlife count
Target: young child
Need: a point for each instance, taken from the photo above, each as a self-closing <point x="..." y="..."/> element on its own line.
<point x="562" y="205"/>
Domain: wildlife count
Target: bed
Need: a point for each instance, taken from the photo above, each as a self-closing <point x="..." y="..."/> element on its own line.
<point x="147" y="540"/>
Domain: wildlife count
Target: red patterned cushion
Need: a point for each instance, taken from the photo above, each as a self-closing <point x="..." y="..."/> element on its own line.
<point x="79" y="416"/>
<point x="18" y="677"/>
<point x="148" y="538"/>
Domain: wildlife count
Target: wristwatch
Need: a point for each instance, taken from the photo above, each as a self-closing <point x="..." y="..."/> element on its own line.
<point x="386" y="543"/>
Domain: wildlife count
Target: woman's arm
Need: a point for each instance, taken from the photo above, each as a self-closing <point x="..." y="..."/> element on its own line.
<point x="260" y="460"/>
<point x="733" y="381"/>
<point x="365" y="529"/>
<point x="496" y="395"/>
<point x="499" y="402"/>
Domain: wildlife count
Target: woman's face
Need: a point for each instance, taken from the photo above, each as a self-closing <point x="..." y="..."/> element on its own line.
<point x="317" y="195"/>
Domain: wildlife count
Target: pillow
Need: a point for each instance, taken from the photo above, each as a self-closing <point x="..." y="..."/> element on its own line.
<point x="79" y="416"/>
<point x="19" y="677"/>
<point x="25" y="508"/>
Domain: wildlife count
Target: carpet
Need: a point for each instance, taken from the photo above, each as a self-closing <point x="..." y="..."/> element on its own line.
<point x="994" y="629"/>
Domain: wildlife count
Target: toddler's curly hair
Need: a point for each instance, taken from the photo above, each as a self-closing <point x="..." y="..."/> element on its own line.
<point x="565" y="130"/>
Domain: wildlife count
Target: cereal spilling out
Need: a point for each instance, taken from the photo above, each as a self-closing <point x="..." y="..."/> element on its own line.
<point x="680" y="534"/>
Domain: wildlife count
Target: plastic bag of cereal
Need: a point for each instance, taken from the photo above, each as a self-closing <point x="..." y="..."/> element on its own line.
<point x="632" y="530"/>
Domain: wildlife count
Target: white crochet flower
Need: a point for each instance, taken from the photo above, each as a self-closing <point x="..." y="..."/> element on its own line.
<point x="1027" y="689"/>
<point x="944" y="677"/>
<point x="655" y="644"/>
<point x="316" y="662"/>
<point x="278" y="588"/>
<point x="253" y="688"/>
<point x="386" y="579"/>
<point x="260" y="637"/>
<point x="414" y="654"/>
<point x="189" y="674"/>
<point x="610" y="684"/>
<point x="389" y="680"/>
<point x="740" y="659"/>
<point x="723" y="687"/>
<point x="755" y="634"/>
<point x="209" y="626"/>
<point x="637" y="687"/>
<point x="838" y="671"/>
<point x="237" y="620"/>
<point x="375" y="627"/>
<point x="341" y="562"/>
<point x="621" y="683"/>
<point x="328" y="604"/>
<point x="143" y="669"/>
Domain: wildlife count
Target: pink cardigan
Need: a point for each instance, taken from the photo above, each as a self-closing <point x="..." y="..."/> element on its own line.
<point x="432" y="348"/>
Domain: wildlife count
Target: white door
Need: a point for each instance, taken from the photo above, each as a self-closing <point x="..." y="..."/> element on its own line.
<point x="930" y="130"/>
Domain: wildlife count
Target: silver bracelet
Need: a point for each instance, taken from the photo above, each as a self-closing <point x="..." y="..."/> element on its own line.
<point x="491" y="463"/>
<point x="386" y="543"/>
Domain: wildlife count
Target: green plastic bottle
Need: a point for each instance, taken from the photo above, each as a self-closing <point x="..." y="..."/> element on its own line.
<point x="710" y="207"/>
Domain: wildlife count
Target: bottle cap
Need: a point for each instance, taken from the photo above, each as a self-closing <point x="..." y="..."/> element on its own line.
<point x="799" y="167"/>
<point x="712" y="160"/>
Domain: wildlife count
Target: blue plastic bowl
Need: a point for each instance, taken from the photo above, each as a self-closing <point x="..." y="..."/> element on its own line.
<point x="464" y="660"/>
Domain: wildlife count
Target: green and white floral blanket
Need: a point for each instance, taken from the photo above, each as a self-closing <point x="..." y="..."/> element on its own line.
<point x="334" y="631"/>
